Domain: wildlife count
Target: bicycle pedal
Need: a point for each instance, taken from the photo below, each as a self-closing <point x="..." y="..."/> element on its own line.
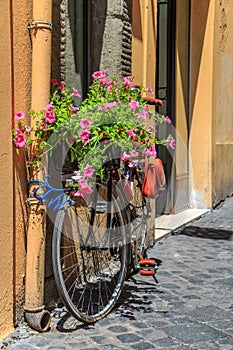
<point x="157" y="261"/>
<point x="147" y="267"/>
<point x="148" y="272"/>
<point x="147" y="263"/>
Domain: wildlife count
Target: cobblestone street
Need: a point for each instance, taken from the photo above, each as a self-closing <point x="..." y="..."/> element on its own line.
<point x="191" y="308"/>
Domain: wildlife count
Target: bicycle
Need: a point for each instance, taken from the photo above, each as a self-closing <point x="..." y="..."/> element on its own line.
<point x="99" y="240"/>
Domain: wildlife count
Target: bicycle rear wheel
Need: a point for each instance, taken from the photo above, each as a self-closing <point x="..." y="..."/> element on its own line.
<point x="90" y="254"/>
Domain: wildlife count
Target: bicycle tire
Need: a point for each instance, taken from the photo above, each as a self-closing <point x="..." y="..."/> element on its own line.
<point x="90" y="260"/>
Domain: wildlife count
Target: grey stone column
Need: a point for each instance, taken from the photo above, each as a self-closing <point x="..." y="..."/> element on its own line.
<point x="59" y="39"/>
<point x="110" y="28"/>
<point x="107" y="41"/>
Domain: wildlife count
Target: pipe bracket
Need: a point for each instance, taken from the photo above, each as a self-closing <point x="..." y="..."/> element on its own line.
<point x="41" y="25"/>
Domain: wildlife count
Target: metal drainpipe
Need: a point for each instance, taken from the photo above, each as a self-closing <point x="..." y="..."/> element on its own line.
<point x="40" y="29"/>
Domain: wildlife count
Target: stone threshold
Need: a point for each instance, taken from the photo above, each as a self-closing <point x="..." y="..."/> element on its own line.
<point x="167" y="224"/>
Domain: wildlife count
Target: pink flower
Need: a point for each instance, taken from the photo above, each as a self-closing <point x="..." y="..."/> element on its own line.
<point x="73" y="108"/>
<point x="133" y="105"/>
<point x="151" y="152"/>
<point x="127" y="81"/>
<point x="61" y="86"/>
<point x="149" y="89"/>
<point x="84" y="187"/>
<point x="172" y="143"/>
<point x="141" y="116"/>
<point x="132" y="165"/>
<point x="151" y="127"/>
<point x="146" y="111"/>
<point x="27" y="127"/>
<point x="55" y="82"/>
<point x="85" y="123"/>
<point x="125" y="157"/>
<point x="103" y="81"/>
<point x="168" y="120"/>
<point x="100" y="74"/>
<point x="84" y="135"/>
<point x="130" y="133"/>
<point x="144" y="114"/>
<point x="88" y="171"/>
<point x="134" y="153"/>
<point x="49" y="107"/>
<point x="76" y="93"/>
<point x="77" y="194"/>
<point x="109" y="105"/>
<point x="19" y="139"/>
<point x="19" y="115"/>
<point x="110" y="85"/>
<point x="49" y="116"/>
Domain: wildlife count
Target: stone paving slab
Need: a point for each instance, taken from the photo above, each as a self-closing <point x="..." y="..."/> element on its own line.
<point x="191" y="308"/>
<point x="175" y="221"/>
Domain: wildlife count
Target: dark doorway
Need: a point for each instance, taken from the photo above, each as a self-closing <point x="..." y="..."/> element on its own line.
<point x="172" y="86"/>
<point x="165" y="90"/>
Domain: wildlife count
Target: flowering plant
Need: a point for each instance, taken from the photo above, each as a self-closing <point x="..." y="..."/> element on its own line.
<point x="47" y="121"/>
<point x="113" y="115"/>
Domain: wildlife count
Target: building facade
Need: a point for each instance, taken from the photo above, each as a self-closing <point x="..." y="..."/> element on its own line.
<point x="182" y="49"/>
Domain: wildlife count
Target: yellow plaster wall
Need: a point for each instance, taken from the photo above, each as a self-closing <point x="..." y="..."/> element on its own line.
<point x="15" y="95"/>
<point x="182" y="60"/>
<point x="6" y="178"/>
<point x="181" y="104"/>
<point x="211" y="138"/>
<point x="223" y="101"/>
<point x="144" y="35"/>
<point x="201" y="102"/>
<point x="144" y="42"/>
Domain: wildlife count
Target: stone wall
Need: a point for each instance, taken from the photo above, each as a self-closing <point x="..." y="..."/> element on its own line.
<point x="58" y="39"/>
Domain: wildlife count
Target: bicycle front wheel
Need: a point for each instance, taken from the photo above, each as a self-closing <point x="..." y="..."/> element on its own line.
<point x="90" y="254"/>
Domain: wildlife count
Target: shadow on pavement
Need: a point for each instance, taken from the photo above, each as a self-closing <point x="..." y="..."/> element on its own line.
<point x="137" y="296"/>
<point x="206" y="232"/>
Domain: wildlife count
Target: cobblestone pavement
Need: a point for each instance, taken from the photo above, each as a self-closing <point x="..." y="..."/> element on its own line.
<point x="192" y="308"/>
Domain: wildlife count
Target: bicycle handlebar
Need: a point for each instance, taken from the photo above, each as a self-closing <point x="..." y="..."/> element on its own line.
<point x="153" y="101"/>
<point x="149" y="100"/>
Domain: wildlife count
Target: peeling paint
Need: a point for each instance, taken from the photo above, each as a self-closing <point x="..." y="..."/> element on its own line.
<point x="223" y="27"/>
